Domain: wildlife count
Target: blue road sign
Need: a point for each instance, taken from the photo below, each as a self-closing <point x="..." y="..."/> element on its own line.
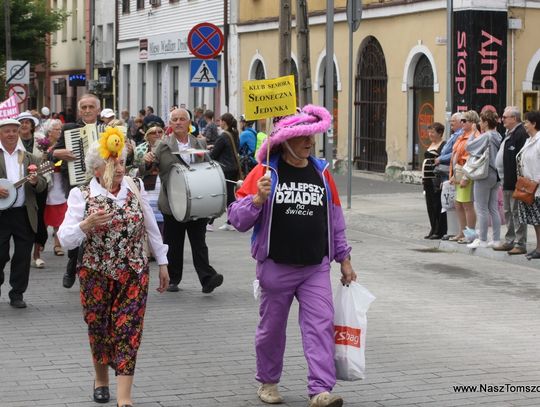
<point x="204" y="73"/>
<point x="205" y="40"/>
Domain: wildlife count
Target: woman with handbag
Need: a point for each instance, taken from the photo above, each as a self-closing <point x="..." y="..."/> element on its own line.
<point x="432" y="183"/>
<point x="464" y="187"/>
<point x="486" y="190"/>
<point x="528" y="165"/>
<point x="225" y="152"/>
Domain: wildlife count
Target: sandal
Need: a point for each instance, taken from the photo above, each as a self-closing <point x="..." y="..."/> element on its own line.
<point x="533" y="255"/>
<point x="455" y="238"/>
<point x="58" y="251"/>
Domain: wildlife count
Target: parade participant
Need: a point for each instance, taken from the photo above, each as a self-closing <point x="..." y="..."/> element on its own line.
<point x="89" y="107"/>
<point x="151" y="180"/>
<point x="56" y="204"/>
<point x="107" y="115"/>
<point x="211" y="132"/>
<point x="28" y="136"/>
<point x="173" y="231"/>
<point x="515" y="239"/>
<point x="299" y="229"/>
<point x="20" y="221"/>
<point x="225" y="152"/>
<point x="528" y="161"/>
<point x="112" y="215"/>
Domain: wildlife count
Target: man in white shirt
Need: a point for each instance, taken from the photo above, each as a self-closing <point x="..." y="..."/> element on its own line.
<point x="174" y="232"/>
<point x="20" y="220"/>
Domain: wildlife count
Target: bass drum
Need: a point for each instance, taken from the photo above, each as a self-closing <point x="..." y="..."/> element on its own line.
<point x="197" y="191"/>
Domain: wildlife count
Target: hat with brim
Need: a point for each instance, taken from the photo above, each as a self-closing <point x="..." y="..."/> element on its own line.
<point x="107" y="113"/>
<point x="309" y="121"/>
<point x="27" y="116"/>
<point x="6" y="122"/>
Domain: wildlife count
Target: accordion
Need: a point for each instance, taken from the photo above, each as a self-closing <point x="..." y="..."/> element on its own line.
<point x="78" y="141"/>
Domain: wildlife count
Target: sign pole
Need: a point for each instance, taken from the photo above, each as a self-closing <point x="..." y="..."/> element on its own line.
<point x="350" y="115"/>
<point x="329" y="82"/>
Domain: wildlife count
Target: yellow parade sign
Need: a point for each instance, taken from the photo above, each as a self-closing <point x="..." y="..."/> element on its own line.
<point x="269" y="98"/>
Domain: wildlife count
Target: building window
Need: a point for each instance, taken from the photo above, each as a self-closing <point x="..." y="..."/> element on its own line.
<point x="157" y="80"/>
<point x="175" y="80"/>
<point x="140" y="4"/>
<point x="55" y="34"/>
<point x="143" y="84"/>
<point x="127" y="86"/>
<point x="64" y="27"/>
<point x="99" y="44"/>
<point x="125" y="6"/>
<point x="109" y="43"/>
<point x="74" y="17"/>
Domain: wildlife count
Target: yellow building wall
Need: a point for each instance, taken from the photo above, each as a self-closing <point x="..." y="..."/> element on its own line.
<point x="397" y="36"/>
<point x="527" y="44"/>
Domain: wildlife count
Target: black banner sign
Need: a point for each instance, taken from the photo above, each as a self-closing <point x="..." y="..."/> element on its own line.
<point x="479" y="60"/>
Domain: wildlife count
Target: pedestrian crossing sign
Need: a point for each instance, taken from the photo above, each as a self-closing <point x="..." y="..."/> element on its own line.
<point x="204" y="73"/>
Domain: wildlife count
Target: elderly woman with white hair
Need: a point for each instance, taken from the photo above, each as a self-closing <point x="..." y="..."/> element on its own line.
<point x="111" y="215"/>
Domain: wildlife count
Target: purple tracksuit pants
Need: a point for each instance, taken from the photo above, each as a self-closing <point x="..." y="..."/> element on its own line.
<point x="280" y="284"/>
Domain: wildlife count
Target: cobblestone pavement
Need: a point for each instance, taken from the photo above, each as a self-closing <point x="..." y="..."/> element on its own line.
<point x="441" y="319"/>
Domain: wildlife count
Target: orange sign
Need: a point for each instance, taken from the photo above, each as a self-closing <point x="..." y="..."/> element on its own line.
<point x="425" y="118"/>
<point x="346" y="335"/>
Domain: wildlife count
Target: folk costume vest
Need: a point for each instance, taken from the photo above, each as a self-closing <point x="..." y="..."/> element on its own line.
<point x="119" y="247"/>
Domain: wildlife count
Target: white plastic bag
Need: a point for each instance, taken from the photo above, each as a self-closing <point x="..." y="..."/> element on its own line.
<point x="351" y="304"/>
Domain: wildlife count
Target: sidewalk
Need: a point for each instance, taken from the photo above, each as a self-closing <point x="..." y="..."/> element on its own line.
<point x="404" y="214"/>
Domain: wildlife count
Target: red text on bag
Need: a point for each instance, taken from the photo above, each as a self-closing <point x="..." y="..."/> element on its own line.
<point x="346" y="335"/>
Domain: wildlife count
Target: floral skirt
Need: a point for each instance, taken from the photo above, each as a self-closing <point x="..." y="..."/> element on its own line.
<point x="529" y="214"/>
<point x="114" y="312"/>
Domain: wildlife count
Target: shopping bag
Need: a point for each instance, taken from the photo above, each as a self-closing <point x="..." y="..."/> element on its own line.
<point x="448" y="193"/>
<point x="351" y="304"/>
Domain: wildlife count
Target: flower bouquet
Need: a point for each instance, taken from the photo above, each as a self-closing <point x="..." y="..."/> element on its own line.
<point x="43" y="143"/>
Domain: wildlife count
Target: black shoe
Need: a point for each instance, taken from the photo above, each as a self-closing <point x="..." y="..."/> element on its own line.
<point x="434" y="237"/>
<point x="428" y="236"/>
<point x="68" y="280"/>
<point x="173" y="288"/>
<point x="214" y="282"/>
<point x="18" y="303"/>
<point x="446" y="237"/>
<point x="533" y="255"/>
<point x="101" y="394"/>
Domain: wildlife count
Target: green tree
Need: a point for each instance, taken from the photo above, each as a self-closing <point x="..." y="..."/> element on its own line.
<point x="30" y="21"/>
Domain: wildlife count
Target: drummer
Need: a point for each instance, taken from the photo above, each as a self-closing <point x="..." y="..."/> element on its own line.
<point x="173" y="231"/>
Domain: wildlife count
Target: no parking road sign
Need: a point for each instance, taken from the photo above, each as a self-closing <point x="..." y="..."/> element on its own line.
<point x="19" y="91"/>
<point x="205" y="40"/>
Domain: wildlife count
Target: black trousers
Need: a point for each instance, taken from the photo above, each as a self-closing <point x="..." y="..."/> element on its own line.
<point x="174" y="233"/>
<point x="41" y="234"/>
<point x="437" y="220"/>
<point x="73" y="257"/>
<point x="14" y="224"/>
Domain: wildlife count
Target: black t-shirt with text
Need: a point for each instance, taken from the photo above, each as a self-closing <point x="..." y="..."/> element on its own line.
<point x="299" y="230"/>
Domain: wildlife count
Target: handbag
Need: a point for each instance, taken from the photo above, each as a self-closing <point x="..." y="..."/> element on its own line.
<point x="525" y="190"/>
<point x="240" y="173"/>
<point x="477" y="168"/>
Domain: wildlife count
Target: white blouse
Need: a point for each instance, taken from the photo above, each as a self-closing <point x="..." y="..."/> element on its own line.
<point x="71" y="235"/>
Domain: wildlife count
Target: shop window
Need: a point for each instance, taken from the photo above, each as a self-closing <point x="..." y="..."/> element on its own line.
<point x="125" y="6"/>
<point x="140" y="4"/>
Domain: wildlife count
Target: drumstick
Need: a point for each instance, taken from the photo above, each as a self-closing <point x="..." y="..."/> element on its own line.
<point x="238" y="183"/>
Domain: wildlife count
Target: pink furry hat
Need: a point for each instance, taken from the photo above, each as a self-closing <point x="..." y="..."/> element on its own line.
<point x="310" y="120"/>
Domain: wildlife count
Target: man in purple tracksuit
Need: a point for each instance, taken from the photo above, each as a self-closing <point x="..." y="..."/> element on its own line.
<point x="293" y="205"/>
